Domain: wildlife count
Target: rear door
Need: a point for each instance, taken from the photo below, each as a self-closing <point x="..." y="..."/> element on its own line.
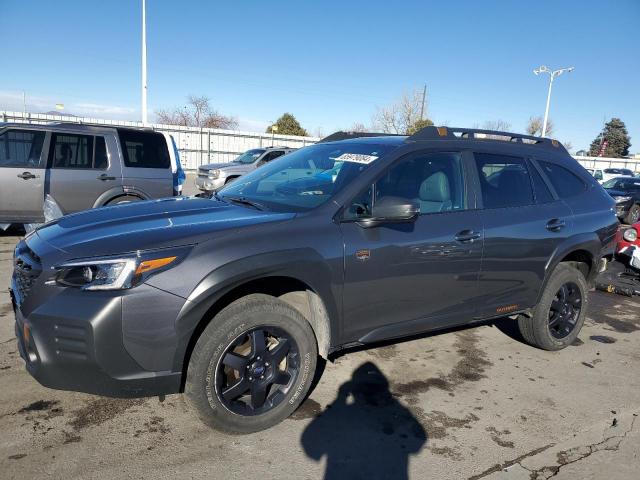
<point x="147" y="164"/>
<point x="82" y="169"/>
<point x="22" y="175"/>
<point x="524" y="222"/>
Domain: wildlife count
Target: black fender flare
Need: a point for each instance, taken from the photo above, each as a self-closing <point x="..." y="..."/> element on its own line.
<point x="304" y="265"/>
<point x="589" y="242"/>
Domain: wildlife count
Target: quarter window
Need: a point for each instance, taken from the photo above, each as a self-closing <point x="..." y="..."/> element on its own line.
<point x="21" y="148"/>
<point x="504" y="181"/>
<point x="144" y="149"/>
<point x="566" y="183"/>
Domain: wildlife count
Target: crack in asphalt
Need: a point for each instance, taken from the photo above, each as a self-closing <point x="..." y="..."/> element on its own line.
<point x="548" y="472"/>
<point x="551" y="471"/>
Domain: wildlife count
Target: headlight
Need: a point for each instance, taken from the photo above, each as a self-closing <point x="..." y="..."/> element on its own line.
<point x="622" y="199"/>
<point x="213" y="174"/>
<point x="116" y="273"/>
<point x="630" y="235"/>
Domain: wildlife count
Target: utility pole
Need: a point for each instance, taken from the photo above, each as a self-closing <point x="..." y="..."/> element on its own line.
<point x="424" y="98"/>
<point x="552" y="74"/>
<point x="144" y="63"/>
<point x="24" y="104"/>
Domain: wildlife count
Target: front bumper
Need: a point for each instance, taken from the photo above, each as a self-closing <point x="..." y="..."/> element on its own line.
<point x="79" y="342"/>
<point x="207" y="185"/>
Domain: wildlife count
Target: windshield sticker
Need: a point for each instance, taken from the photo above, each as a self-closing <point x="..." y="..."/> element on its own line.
<point x="356" y="158"/>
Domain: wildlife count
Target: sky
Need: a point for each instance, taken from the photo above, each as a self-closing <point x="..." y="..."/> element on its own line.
<point x="330" y="63"/>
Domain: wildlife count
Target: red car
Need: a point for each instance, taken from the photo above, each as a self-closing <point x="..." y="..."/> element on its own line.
<point x="628" y="236"/>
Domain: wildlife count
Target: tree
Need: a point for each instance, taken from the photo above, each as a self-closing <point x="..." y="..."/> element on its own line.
<point x="399" y="116"/>
<point x="616" y="137"/>
<point x="534" y="126"/>
<point x="498" y="125"/>
<point x="358" y="127"/>
<point x="288" y="125"/>
<point x="197" y="113"/>
<point x="419" y="125"/>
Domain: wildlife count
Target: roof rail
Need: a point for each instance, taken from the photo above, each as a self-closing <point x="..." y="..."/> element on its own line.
<point x="454" y="133"/>
<point x="72" y="123"/>
<point x="336" y="136"/>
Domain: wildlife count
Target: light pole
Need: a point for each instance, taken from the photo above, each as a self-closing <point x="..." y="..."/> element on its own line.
<point x="144" y="63"/>
<point x="552" y="74"/>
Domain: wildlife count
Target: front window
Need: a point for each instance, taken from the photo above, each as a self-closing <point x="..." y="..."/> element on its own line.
<point x="249" y="156"/>
<point x="306" y="178"/>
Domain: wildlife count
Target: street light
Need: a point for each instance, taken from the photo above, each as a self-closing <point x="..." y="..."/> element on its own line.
<point x="552" y="74"/>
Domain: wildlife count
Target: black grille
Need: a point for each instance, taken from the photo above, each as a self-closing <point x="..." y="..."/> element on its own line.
<point x="26" y="270"/>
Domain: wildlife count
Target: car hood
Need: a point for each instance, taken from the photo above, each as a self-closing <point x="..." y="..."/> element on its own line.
<point x="149" y="224"/>
<point x="619" y="193"/>
<point x="242" y="167"/>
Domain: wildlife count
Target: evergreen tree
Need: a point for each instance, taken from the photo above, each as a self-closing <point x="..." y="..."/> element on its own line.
<point x="288" y="125"/>
<point x="617" y="138"/>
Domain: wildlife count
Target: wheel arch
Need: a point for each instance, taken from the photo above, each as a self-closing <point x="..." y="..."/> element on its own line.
<point x="302" y="292"/>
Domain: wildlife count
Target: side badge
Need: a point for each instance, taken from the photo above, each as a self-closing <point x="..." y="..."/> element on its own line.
<point x="363" y="254"/>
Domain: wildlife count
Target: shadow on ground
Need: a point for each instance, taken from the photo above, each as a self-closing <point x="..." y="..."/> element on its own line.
<point x="365" y="433"/>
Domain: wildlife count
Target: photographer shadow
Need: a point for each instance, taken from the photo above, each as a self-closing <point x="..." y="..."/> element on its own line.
<point x="365" y="433"/>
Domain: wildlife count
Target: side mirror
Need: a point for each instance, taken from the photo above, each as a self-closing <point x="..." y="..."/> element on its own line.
<point x="392" y="210"/>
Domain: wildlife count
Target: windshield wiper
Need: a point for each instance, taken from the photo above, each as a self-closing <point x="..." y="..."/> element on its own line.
<point x="245" y="201"/>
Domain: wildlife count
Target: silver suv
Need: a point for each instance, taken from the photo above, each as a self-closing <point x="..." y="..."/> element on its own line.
<point x="82" y="167"/>
<point x="214" y="176"/>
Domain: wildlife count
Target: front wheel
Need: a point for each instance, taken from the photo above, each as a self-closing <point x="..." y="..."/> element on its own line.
<point x="252" y="365"/>
<point x="633" y="216"/>
<point x="560" y="313"/>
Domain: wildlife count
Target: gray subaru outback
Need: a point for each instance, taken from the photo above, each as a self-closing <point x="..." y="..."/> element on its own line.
<point x="82" y="166"/>
<point x="214" y="176"/>
<point x="233" y="299"/>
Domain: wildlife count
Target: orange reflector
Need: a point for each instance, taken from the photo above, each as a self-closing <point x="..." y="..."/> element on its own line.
<point x="442" y="131"/>
<point x="149" y="265"/>
<point x="26" y="334"/>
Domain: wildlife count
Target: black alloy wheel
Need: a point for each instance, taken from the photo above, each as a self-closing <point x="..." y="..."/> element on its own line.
<point x="565" y="310"/>
<point x="257" y="370"/>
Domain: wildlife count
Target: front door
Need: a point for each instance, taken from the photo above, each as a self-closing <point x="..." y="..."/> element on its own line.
<point x="409" y="277"/>
<point x="22" y="175"/>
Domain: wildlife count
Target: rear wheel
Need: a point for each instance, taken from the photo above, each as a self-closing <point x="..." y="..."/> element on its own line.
<point x="633" y="216"/>
<point x="122" y="200"/>
<point x="252" y="366"/>
<point x="560" y="314"/>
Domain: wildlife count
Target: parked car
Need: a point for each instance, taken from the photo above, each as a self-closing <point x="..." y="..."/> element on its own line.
<point x="626" y="192"/>
<point x="596" y="172"/>
<point x="609" y="173"/>
<point x="81" y="167"/>
<point x="232" y="299"/>
<point x="213" y="176"/>
<point x="627" y="237"/>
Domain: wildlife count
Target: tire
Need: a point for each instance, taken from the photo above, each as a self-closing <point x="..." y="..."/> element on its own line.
<point x="237" y="327"/>
<point x="122" y="200"/>
<point x="633" y="216"/>
<point x="549" y="328"/>
<point x="229" y="180"/>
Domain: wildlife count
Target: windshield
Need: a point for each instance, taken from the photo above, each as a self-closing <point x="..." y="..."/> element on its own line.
<point x="306" y="178"/>
<point x="249" y="156"/>
<point x="622" y="184"/>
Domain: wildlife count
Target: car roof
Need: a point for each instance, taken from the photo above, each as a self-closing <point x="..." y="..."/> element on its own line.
<point x="74" y="126"/>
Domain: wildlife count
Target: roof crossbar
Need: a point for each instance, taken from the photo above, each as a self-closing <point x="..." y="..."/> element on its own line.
<point x="336" y="136"/>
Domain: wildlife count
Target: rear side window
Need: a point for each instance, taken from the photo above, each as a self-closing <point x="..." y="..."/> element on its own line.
<point x="100" y="160"/>
<point x="504" y="181"/>
<point x="21" y="148"/>
<point x="72" y="151"/>
<point x="566" y="183"/>
<point x="144" y="149"/>
<point x="543" y="195"/>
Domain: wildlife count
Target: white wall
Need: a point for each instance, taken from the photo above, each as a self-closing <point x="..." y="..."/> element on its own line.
<point x="197" y="145"/>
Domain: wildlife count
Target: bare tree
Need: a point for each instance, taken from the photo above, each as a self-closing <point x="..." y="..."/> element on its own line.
<point x="534" y="126"/>
<point x="358" y="127"/>
<point x="399" y="116"/>
<point x="498" y="125"/>
<point x="197" y="113"/>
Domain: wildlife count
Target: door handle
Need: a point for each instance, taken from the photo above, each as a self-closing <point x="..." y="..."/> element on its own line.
<point x="555" y="225"/>
<point x="104" y="177"/>
<point x="26" y="175"/>
<point x="467" y="236"/>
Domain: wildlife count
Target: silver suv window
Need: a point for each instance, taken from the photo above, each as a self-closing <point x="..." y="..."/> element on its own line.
<point x="21" y="148"/>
